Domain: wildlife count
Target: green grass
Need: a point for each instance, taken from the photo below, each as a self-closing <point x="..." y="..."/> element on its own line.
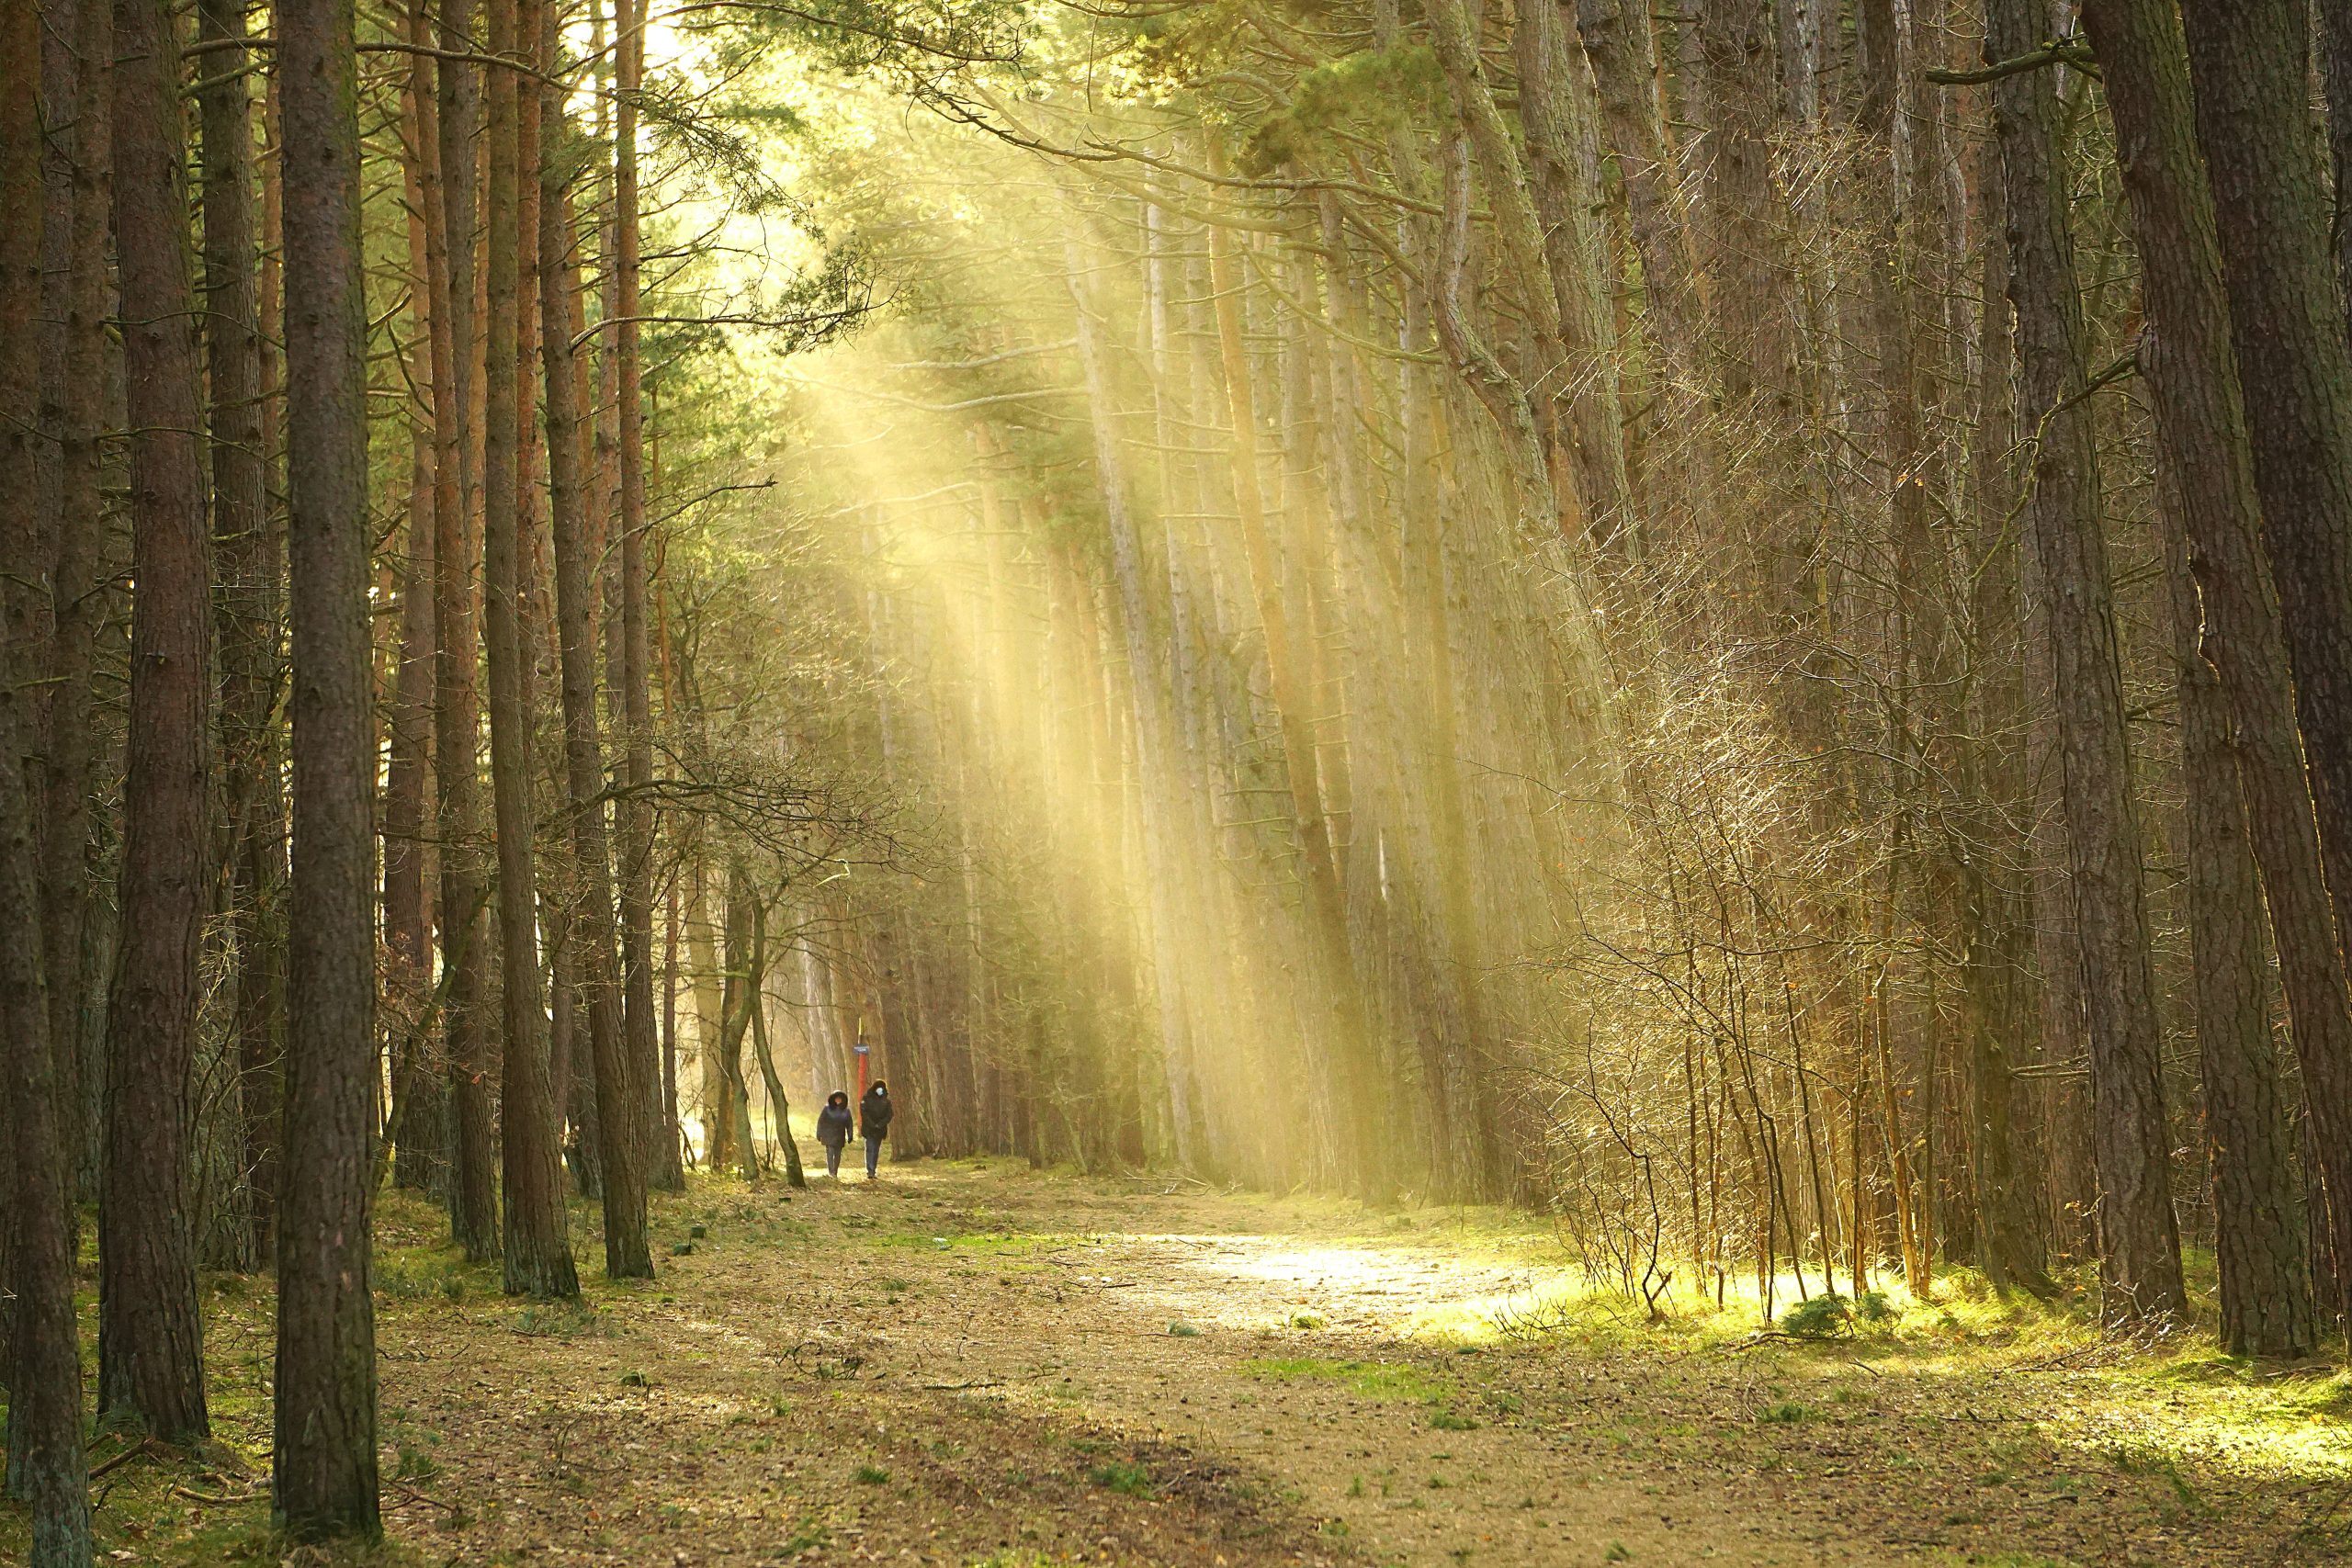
<point x="1373" y="1380"/>
<point x="1126" y="1479"/>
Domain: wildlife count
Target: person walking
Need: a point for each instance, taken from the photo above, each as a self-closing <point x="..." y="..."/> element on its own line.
<point x="832" y="1131"/>
<point x="874" y="1114"/>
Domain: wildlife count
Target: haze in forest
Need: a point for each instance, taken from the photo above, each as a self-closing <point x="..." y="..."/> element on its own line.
<point x="1615" y="688"/>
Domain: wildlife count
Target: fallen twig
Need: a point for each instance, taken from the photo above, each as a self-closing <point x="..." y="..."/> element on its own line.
<point x="133" y="1451"/>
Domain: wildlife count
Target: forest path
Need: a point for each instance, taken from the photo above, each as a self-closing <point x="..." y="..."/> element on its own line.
<point x="967" y="1364"/>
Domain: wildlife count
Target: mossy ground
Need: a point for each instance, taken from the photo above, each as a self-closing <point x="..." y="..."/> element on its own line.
<point x="973" y="1364"/>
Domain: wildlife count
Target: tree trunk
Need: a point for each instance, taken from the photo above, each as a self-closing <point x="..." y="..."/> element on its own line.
<point x="408" y="931"/>
<point x="737" y="1003"/>
<point x="537" y="1256"/>
<point x="2335" y="76"/>
<point x="621" y="1162"/>
<point x="77" y="601"/>
<point x="2201" y="419"/>
<point x="1554" y="113"/>
<point x="1350" y="1090"/>
<point x="1618" y="40"/>
<point x="2138" y="1241"/>
<point x="2249" y="66"/>
<point x="635" y="815"/>
<point x="248" y="606"/>
<point x="703" y="963"/>
<point x="2258" y="1239"/>
<point x="457" y="717"/>
<point x="42" y="1344"/>
<point x="150" y="1352"/>
<point x="323" y="1460"/>
<point x="779" y="1108"/>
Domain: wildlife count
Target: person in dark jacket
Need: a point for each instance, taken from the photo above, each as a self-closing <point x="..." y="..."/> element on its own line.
<point x="874" y="1114"/>
<point x="832" y="1131"/>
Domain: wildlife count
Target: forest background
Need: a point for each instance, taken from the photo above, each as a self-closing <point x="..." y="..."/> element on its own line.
<point x="1729" y="622"/>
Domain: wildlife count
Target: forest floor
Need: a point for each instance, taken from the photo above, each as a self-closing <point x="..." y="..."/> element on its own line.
<point x="973" y="1364"/>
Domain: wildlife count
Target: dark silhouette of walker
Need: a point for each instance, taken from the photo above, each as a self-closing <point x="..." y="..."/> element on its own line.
<point x="874" y="1114"/>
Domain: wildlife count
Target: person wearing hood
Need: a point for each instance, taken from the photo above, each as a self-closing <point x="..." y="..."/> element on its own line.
<point x="832" y="1131"/>
<point x="874" y="1114"/>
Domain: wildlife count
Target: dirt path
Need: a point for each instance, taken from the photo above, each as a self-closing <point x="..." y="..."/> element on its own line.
<point x="980" y="1366"/>
<point x="965" y="1365"/>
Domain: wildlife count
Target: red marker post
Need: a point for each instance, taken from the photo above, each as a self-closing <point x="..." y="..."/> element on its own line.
<point x="864" y="1064"/>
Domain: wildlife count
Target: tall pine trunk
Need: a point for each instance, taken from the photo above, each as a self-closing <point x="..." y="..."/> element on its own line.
<point x="2186" y="352"/>
<point x="457" y="715"/>
<point x="2139" y="1240"/>
<point x="537" y="1256"/>
<point x="150" y="1352"/>
<point x="246" y="558"/>
<point x="2248" y="68"/>
<point x="635" y="815"/>
<point x="76" y="602"/>
<point x="43" y="1342"/>
<point x="323" y="1474"/>
<point x="408" y="934"/>
<point x="621" y="1163"/>
<point x="2258" y="1236"/>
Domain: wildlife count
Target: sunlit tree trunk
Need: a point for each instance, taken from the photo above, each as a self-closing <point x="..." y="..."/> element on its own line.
<point x="1148" y="696"/>
<point x="457" y="715"/>
<point x="537" y="1256"/>
<point x="621" y="1162"/>
<point x="779" y="1107"/>
<point x="1351" y="1096"/>
<point x="636" y="813"/>
<point x="738" y="1000"/>
<point x="1556" y="111"/>
<point x="710" y="1010"/>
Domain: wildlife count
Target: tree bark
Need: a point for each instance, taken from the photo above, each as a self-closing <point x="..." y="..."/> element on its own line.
<point x="779" y="1107"/>
<point x="2187" y="355"/>
<point x="457" y="735"/>
<point x="2258" y="1237"/>
<point x="2249" y="69"/>
<point x="77" y="600"/>
<point x="322" y="1473"/>
<point x="408" y="931"/>
<point x="1618" y="40"/>
<point x="2336" y="77"/>
<point x="621" y="1162"/>
<point x="151" y="1353"/>
<point x="635" y="815"/>
<point x="1351" y="1089"/>
<point x="247" y="613"/>
<point x="46" y="1466"/>
<point x="737" y="1000"/>
<point x="537" y="1255"/>
<point x="2138" y="1241"/>
<point x="1554" y="115"/>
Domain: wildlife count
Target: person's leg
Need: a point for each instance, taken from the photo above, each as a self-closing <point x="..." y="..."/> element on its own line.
<point x="832" y="1159"/>
<point x="873" y="1157"/>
